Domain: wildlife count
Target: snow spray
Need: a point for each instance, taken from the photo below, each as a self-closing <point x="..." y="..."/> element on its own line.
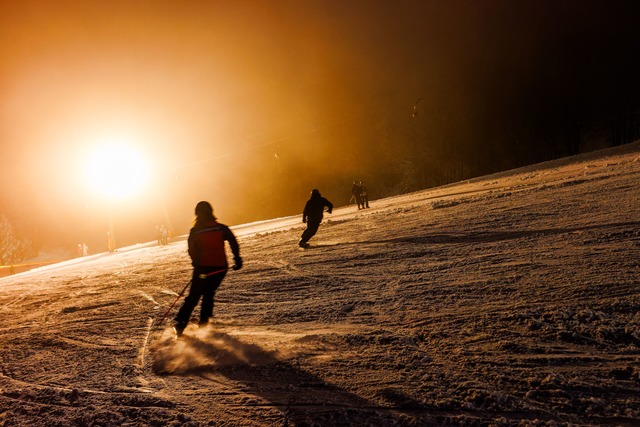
<point x="205" y="350"/>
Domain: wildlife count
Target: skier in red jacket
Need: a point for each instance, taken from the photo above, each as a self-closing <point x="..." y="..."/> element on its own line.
<point x="209" y="260"/>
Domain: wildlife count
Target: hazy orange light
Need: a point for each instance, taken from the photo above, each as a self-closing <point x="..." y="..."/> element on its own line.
<point x="116" y="170"/>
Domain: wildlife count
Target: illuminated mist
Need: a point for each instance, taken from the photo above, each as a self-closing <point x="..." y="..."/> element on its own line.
<point x="252" y="104"/>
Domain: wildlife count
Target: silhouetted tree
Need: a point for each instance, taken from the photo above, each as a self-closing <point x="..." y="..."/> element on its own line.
<point x="12" y="248"/>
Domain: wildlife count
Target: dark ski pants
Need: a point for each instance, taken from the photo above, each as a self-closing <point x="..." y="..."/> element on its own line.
<point x="359" y="200"/>
<point x="311" y="230"/>
<point x="201" y="288"/>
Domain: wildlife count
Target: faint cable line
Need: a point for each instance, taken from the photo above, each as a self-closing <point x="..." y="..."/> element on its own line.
<point x="276" y="141"/>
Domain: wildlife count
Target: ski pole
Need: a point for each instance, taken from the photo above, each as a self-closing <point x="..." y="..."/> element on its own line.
<point x="204" y="276"/>
<point x="174" y="303"/>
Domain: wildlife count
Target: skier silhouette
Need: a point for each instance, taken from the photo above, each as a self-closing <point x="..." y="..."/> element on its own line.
<point x="356" y="190"/>
<point x="312" y="216"/>
<point x="209" y="260"/>
<point x="364" y="196"/>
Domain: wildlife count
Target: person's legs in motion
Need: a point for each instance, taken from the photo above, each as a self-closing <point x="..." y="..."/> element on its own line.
<point x="309" y="232"/>
<point x="190" y="302"/>
<point x="208" y="295"/>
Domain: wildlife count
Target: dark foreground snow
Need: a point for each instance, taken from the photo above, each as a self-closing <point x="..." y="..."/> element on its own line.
<point x="512" y="299"/>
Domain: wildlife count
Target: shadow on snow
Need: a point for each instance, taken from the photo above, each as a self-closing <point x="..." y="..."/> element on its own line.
<point x="302" y="396"/>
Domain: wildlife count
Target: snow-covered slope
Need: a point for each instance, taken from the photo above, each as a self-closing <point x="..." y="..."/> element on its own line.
<point x="506" y="300"/>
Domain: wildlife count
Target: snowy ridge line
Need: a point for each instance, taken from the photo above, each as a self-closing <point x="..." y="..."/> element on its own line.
<point x="89" y="258"/>
<point x="48" y="267"/>
<point x="27" y="264"/>
<point x="289" y="222"/>
<point x="578" y="159"/>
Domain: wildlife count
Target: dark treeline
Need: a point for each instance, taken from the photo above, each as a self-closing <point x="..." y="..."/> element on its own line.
<point x="511" y="86"/>
<point x="437" y="146"/>
<point x="475" y="129"/>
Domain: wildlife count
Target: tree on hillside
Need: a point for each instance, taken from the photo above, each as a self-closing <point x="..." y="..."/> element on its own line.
<point x="12" y="248"/>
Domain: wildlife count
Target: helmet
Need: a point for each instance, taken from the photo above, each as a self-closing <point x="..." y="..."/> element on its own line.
<point x="204" y="209"/>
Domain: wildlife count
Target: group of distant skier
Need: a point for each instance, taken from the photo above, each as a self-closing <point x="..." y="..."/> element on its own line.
<point x="206" y="249"/>
<point x="359" y="194"/>
<point x="162" y="235"/>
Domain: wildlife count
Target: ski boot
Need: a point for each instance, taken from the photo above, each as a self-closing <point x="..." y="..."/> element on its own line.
<point x="178" y="329"/>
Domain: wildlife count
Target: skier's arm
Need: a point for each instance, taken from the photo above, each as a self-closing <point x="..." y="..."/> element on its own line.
<point x="192" y="250"/>
<point x="235" y="248"/>
<point x="305" y="212"/>
<point x="329" y="205"/>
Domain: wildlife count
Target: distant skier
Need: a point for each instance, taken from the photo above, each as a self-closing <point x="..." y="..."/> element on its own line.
<point x="364" y="196"/>
<point x="357" y="193"/>
<point x="164" y="235"/>
<point x="209" y="260"/>
<point x="158" y="235"/>
<point x="312" y="216"/>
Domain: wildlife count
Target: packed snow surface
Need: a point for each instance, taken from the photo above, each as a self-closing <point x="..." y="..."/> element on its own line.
<point x="511" y="299"/>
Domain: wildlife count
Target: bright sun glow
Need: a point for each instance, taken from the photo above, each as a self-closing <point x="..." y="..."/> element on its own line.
<point x="116" y="170"/>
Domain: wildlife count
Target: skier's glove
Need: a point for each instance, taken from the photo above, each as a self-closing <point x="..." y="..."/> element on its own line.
<point x="237" y="263"/>
<point x="329" y="211"/>
<point x="304" y="220"/>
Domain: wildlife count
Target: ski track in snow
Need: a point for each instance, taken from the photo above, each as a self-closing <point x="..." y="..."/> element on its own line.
<point x="510" y="299"/>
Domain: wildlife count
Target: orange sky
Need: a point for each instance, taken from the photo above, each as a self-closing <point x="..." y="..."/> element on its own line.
<point x="213" y="90"/>
<point x="188" y="81"/>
